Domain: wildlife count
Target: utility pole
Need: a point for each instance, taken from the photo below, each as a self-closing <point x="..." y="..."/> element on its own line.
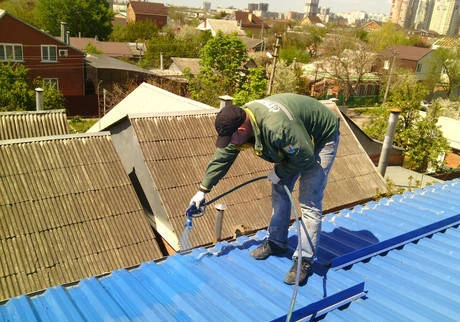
<point x="275" y="56"/>
<point x="389" y="77"/>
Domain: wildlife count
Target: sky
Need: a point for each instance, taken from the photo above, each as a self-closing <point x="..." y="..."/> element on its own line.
<point x="337" y="6"/>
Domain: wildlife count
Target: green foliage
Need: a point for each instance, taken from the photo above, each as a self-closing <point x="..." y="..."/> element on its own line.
<point x="91" y="49"/>
<point x="424" y="142"/>
<point x="387" y="36"/>
<point x="446" y="60"/>
<point x="221" y="71"/>
<point x="16" y="94"/>
<point x="420" y="137"/>
<point x="253" y="88"/>
<point x="22" y="9"/>
<point x="186" y="44"/>
<point x="286" y="79"/>
<point x="80" y="125"/>
<point x="52" y="97"/>
<point x="136" y="31"/>
<point x="89" y="17"/>
<point x="291" y="53"/>
<point x="19" y="95"/>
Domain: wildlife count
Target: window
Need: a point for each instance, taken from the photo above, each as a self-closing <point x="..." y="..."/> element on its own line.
<point x="51" y="83"/>
<point x="418" y="69"/>
<point x="11" y="52"/>
<point x="49" y="53"/>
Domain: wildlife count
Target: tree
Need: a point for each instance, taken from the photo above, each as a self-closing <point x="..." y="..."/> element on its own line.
<point x="387" y="36"/>
<point x="16" y="94"/>
<point x="134" y="31"/>
<point x="221" y="72"/>
<point x="22" y="9"/>
<point x="253" y="88"/>
<point x="89" y="18"/>
<point x="445" y="69"/>
<point x="348" y="60"/>
<point x="419" y="136"/>
<point x="19" y="95"/>
<point x="287" y="79"/>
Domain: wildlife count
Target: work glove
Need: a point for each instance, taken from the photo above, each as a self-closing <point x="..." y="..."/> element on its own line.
<point x="198" y="199"/>
<point x="273" y="177"/>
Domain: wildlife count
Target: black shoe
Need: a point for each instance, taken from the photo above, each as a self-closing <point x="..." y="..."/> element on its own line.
<point x="266" y="249"/>
<point x="305" y="272"/>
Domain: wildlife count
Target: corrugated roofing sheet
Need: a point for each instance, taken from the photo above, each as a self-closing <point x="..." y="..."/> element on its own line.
<point x="418" y="281"/>
<point x="67" y="211"/>
<point x="177" y="148"/>
<point x="25" y="124"/>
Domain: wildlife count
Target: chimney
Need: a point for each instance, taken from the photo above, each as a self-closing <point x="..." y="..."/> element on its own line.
<point x="39" y="99"/>
<point x="63" y="31"/>
<point x="225" y="100"/>
<point x="388" y="141"/>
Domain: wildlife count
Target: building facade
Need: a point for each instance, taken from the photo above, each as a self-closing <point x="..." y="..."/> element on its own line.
<point x="311" y="7"/>
<point x="445" y="18"/>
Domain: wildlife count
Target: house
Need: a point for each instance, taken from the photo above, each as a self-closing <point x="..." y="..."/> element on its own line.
<point x="147" y="11"/>
<point x="227" y="27"/>
<point x="325" y="85"/>
<point x="389" y="260"/>
<point x="109" y="48"/>
<point x="416" y="59"/>
<point x="168" y="153"/>
<point x="51" y="59"/>
<point x="181" y="64"/>
<point x="103" y="73"/>
<point x="28" y="124"/>
<point x="251" y="24"/>
<point x="67" y="211"/>
<point x="372" y="25"/>
<point x="311" y="21"/>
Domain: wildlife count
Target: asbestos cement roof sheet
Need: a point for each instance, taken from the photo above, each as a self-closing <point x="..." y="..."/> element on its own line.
<point x="416" y="280"/>
<point x="177" y="148"/>
<point x="147" y="98"/>
<point x="26" y="124"/>
<point x="67" y="211"/>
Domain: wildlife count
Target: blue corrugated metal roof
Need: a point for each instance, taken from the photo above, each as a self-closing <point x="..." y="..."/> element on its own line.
<point x="415" y="278"/>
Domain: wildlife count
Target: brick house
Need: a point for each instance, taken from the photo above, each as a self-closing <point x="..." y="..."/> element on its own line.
<point x="141" y="11"/>
<point x="46" y="57"/>
<point x="51" y="59"/>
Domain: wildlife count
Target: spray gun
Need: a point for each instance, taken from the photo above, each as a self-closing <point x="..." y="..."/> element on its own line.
<point x="193" y="212"/>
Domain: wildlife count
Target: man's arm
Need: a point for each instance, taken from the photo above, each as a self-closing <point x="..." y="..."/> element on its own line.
<point x="218" y="167"/>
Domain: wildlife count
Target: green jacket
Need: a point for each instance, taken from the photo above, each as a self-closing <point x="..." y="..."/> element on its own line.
<point x="288" y="130"/>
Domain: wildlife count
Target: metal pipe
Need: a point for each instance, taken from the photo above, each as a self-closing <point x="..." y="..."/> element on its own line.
<point x="388" y="141"/>
<point x="225" y="100"/>
<point x="39" y="99"/>
<point x="219" y="218"/>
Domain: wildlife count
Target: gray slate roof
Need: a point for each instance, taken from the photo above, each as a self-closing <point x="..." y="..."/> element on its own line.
<point x="67" y="211"/>
<point x="25" y="124"/>
<point x="177" y="148"/>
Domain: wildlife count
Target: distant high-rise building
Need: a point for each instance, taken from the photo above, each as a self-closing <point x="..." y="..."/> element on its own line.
<point x="423" y="15"/>
<point x="445" y="18"/>
<point x="207" y="5"/>
<point x="262" y="7"/>
<point x="311" y="8"/>
<point x="403" y="12"/>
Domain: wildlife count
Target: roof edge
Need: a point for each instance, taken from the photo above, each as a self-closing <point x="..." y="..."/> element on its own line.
<point x="54" y="137"/>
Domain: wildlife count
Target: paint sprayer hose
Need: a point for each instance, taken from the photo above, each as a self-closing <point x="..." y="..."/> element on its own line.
<point x="299" y="242"/>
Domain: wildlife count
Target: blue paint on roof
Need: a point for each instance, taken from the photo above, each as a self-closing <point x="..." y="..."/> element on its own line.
<point x="410" y="245"/>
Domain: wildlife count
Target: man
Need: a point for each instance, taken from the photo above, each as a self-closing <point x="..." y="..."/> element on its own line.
<point x="300" y="136"/>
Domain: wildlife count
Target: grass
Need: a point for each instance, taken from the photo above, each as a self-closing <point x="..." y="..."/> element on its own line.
<point x="78" y="124"/>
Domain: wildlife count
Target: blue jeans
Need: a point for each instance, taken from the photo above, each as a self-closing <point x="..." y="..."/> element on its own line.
<point x="312" y="183"/>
